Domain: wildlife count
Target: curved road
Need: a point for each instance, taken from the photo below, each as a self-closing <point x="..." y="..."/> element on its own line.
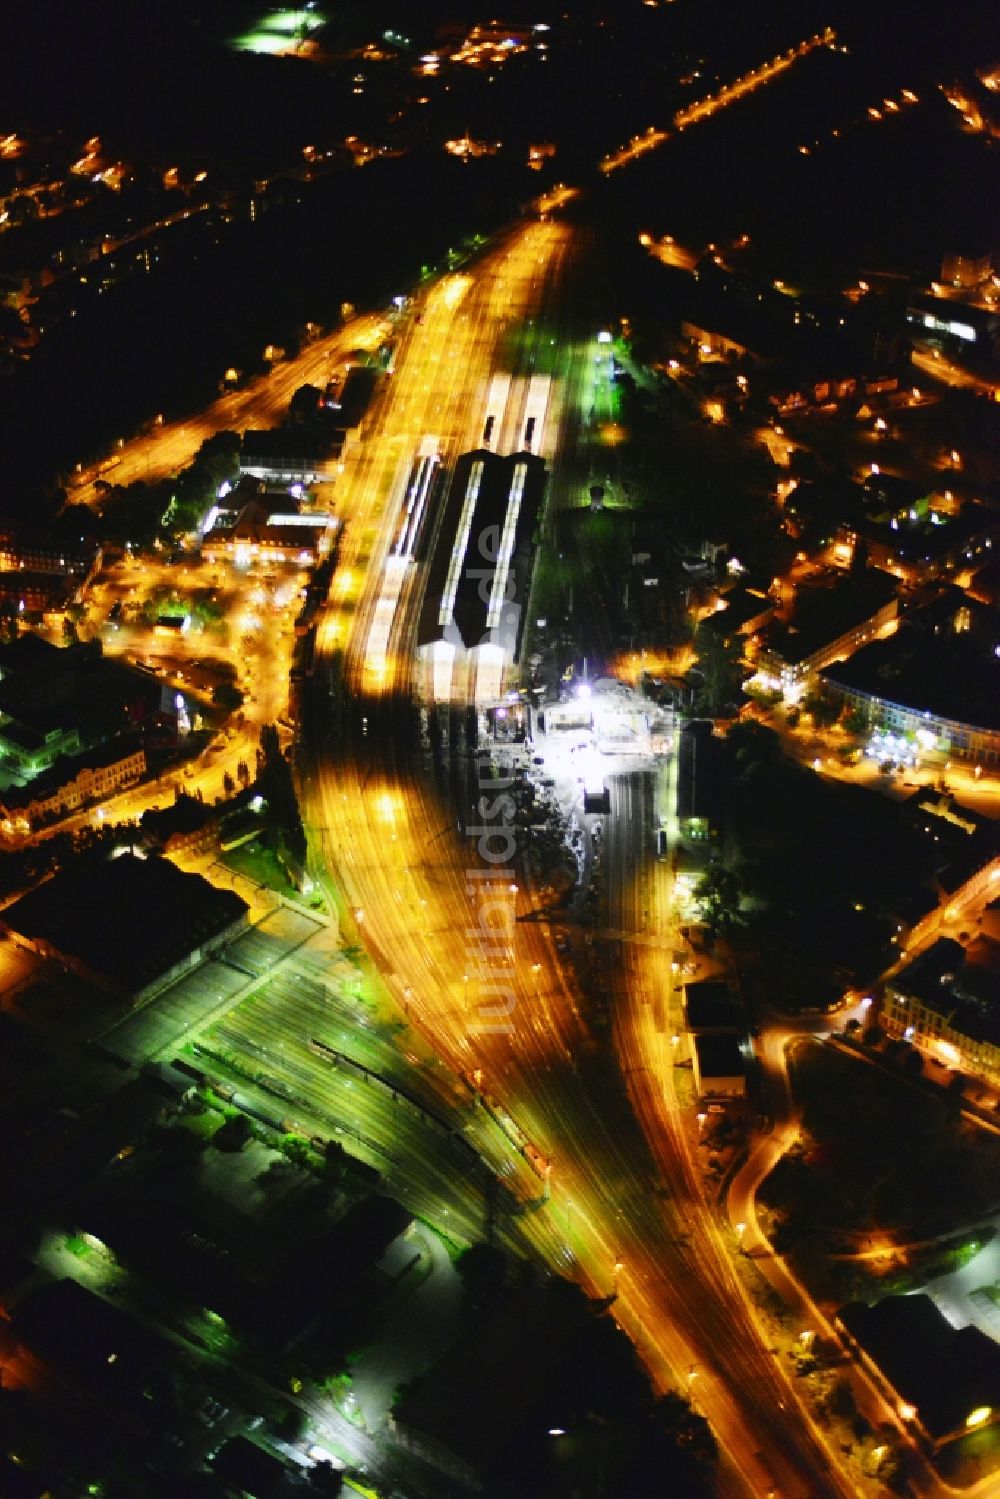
<point x="627" y="1222"/>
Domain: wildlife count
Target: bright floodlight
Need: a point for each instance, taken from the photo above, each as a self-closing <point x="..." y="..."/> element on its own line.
<point x="583" y="690"/>
<point x="604" y="337"/>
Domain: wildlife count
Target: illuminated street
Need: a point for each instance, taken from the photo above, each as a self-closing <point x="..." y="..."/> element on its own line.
<point x="704" y="108"/>
<point x="389" y="836"/>
<point x="170" y="445"/>
<point x="500" y="752"/>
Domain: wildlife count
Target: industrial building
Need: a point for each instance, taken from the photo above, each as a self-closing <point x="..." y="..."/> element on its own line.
<point x="472" y="624"/>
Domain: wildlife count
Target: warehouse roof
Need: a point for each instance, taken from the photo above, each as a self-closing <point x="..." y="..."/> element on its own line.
<point x="128" y="920"/>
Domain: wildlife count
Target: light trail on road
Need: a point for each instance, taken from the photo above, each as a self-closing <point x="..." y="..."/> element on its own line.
<point x="165" y="450"/>
<point x="630" y="1226"/>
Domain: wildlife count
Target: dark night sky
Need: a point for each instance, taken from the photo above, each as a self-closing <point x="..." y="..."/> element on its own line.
<point x="155" y="82"/>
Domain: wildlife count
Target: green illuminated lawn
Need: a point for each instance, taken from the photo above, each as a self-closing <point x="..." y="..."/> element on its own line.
<point x="261" y="865"/>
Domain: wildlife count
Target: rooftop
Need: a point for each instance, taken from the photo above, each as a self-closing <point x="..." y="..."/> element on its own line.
<point x="946" y="1373"/>
<point x="719" y="1056"/>
<point x="925" y="975"/>
<point x="892" y="492"/>
<point x="485" y="1385"/>
<point x="825" y="612"/>
<point x="249" y="1469"/>
<point x="711" y="1006"/>
<point x="488" y="496"/>
<point x="128" y="920"/>
<point x="931" y="537"/>
<point x="955" y="677"/>
<point x="66" y="769"/>
<point x="699" y="771"/>
<point x="85" y="1335"/>
<point x="185" y="815"/>
<point x="289" y="442"/>
<point x="961" y="984"/>
<point x="740" y="606"/>
<point x="28" y="653"/>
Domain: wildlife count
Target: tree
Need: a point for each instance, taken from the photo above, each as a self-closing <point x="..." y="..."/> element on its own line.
<point x="718" y="892"/>
<point x="752" y="743"/>
<point x="688" y="1429"/>
<point x="291" y="1423"/>
<point x="22" y="210"/>
<point x="841" y="1402"/>
<point x="216" y="462"/>
<point x="485" y="1275"/>
<point x="305" y="402"/>
<point x="335" y="1159"/>
<point x="720" y="658"/>
<point x="325" y="1480"/>
<point x="207" y="610"/>
<point x="226" y="695"/>
<point x="275" y="785"/>
<point x="767" y="697"/>
<point x="803" y="464"/>
<point x="824" y="710"/>
<point x="133" y="512"/>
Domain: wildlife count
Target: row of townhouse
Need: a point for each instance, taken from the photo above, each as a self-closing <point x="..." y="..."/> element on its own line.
<point x="71" y="785"/>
